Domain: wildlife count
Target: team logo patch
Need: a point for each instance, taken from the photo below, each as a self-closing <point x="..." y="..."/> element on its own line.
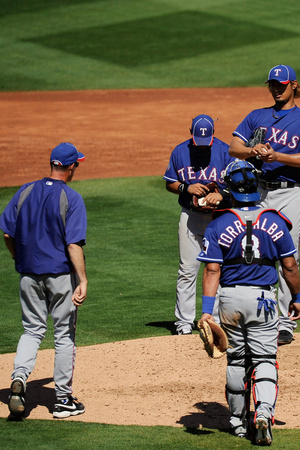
<point x="49" y="183"/>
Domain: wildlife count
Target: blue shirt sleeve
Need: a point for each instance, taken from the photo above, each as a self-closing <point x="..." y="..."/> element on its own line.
<point x="76" y="219"/>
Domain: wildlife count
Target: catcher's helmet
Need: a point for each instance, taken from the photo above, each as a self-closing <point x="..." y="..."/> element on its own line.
<point x="241" y="178"/>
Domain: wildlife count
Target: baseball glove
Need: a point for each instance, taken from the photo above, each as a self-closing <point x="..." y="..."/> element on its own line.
<point x="214" y="338"/>
<point x="258" y="138"/>
<point x="199" y="204"/>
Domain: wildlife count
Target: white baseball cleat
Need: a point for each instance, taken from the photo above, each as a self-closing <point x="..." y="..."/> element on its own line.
<point x="263" y="434"/>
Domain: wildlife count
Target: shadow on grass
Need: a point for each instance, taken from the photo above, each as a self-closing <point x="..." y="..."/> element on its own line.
<point x="167" y="37"/>
<point x="168" y="325"/>
<point x="37" y="394"/>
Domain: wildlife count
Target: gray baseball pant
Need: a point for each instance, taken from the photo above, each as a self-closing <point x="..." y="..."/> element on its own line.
<point x="191" y="230"/>
<point x="41" y="295"/>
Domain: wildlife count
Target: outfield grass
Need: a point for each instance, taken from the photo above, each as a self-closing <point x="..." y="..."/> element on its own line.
<point x="72" y="44"/>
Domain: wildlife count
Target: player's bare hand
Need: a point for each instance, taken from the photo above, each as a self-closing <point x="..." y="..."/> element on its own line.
<point x="80" y="294"/>
<point x="295" y="310"/>
<point x="198" y="189"/>
<point x="206" y="316"/>
<point x="266" y="153"/>
<point x="213" y="199"/>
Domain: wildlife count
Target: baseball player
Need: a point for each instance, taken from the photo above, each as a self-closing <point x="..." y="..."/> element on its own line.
<point x="280" y="159"/>
<point x="240" y="248"/>
<point x="45" y="229"/>
<point x="193" y="166"/>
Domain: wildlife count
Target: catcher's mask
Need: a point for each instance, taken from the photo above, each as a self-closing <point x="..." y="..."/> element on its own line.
<point x="241" y="177"/>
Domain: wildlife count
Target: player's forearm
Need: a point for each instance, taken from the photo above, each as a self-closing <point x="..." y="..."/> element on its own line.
<point x="10" y="244"/>
<point x="291" y="274"/>
<point x="288" y="160"/>
<point x="77" y="258"/>
<point x="211" y="279"/>
<point x="173" y="187"/>
<point x="237" y="149"/>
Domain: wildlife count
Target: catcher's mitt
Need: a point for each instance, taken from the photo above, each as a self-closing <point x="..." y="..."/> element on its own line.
<point x="214" y="338"/>
<point x="199" y="204"/>
<point x="258" y="138"/>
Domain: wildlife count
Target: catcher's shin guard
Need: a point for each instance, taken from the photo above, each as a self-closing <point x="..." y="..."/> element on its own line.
<point x="265" y="388"/>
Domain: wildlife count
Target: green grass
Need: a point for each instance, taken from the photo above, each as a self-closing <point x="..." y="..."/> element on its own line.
<point x="78" y="435"/>
<point x="68" y="44"/>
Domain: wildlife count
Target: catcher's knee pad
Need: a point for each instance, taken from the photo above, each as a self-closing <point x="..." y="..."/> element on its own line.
<point x="236" y="391"/>
<point x="265" y="385"/>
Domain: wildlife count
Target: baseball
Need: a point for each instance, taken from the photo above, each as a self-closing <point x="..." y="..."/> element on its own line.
<point x="202" y="202"/>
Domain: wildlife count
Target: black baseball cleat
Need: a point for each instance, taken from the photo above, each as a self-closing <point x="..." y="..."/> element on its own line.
<point x="16" y="399"/>
<point x="284" y="337"/>
<point x="68" y="407"/>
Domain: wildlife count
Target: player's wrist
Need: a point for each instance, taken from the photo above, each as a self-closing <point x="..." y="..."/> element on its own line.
<point x="183" y="188"/>
<point x="208" y="303"/>
<point x="296" y="298"/>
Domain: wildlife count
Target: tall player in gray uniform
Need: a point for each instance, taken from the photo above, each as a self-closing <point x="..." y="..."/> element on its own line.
<point x="240" y="249"/>
<point x="45" y="229"/>
<point x="193" y="166"/>
<point x="280" y="171"/>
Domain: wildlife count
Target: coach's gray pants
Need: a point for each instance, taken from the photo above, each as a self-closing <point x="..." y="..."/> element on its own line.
<point x="41" y="295"/>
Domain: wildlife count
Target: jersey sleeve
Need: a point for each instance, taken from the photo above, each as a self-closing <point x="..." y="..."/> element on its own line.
<point x="286" y="245"/>
<point x="76" y="220"/>
<point x="245" y="128"/>
<point x="171" y="174"/>
<point x="8" y="218"/>
<point x="211" y="251"/>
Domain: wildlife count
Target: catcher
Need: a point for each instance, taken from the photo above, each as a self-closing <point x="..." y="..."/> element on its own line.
<point x="195" y="174"/>
<point x="240" y="249"/>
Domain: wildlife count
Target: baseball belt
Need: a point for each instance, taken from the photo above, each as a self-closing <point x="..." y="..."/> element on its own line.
<point x="273" y="185"/>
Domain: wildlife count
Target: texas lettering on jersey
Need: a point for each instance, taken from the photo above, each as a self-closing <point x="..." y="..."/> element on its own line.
<point x="283" y="137"/>
<point x="186" y="174"/>
<point x="209" y="164"/>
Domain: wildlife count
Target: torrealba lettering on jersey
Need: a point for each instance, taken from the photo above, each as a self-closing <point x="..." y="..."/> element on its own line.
<point x="259" y="221"/>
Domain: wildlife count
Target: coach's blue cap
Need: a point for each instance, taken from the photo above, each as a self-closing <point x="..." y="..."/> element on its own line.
<point x="65" y="154"/>
<point x="242" y="181"/>
<point x="283" y="74"/>
<point x="202" y="130"/>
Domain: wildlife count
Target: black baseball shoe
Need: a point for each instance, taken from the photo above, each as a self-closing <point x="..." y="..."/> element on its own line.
<point x="16" y="399"/>
<point x="68" y="407"/>
<point x="284" y="337"/>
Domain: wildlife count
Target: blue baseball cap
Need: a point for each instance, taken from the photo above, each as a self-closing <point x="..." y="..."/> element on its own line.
<point x="65" y="154"/>
<point x="202" y="130"/>
<point x="283" y="74"/>
<point x="242" y="181"/>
